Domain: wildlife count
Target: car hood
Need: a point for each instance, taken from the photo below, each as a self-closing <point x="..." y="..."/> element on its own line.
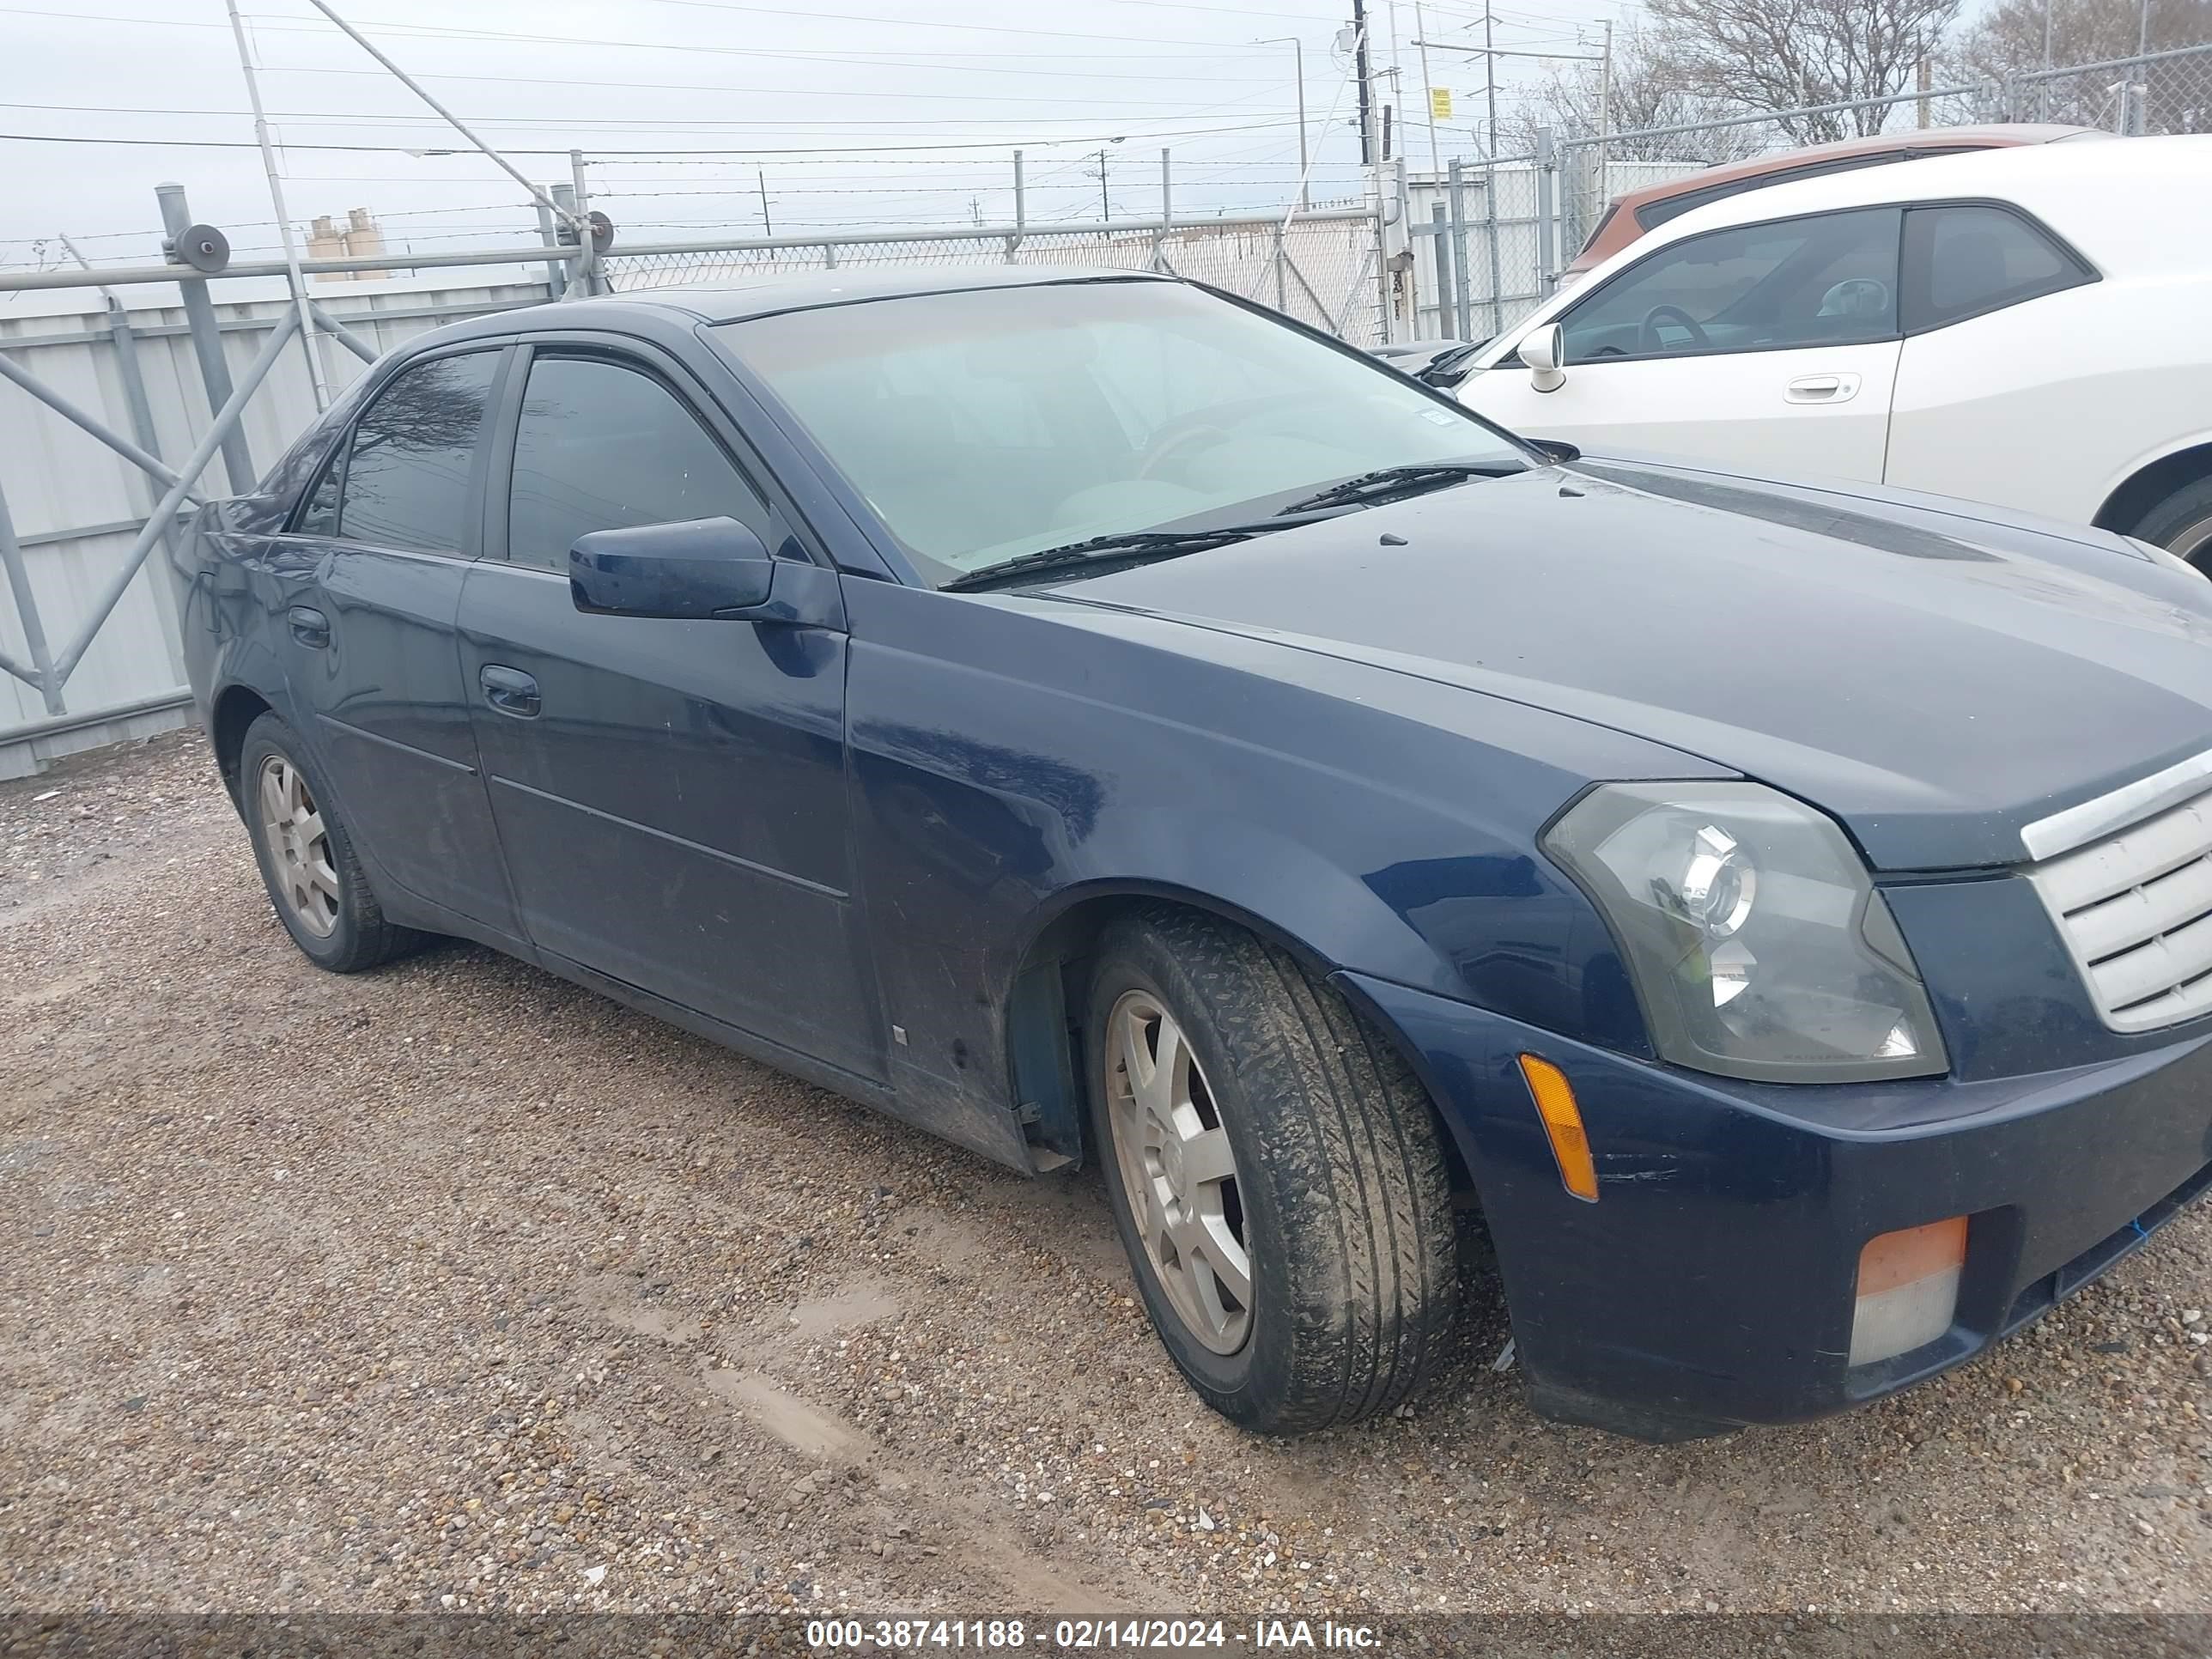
<point x="1937" y="676"/>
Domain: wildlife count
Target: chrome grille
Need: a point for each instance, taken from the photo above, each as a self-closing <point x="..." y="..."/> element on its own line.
<point x="2135" y="907"/>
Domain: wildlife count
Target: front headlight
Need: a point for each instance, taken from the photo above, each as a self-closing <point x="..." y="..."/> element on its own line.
<point x="1759" y="945"/>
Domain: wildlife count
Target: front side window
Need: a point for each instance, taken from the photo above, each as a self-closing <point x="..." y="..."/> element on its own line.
<point x="984" y="425"/>
<point x="1960" y="261"/>
<point x="1827" y="279"/>
<point x="406" y="477"/>
<point x="600" y="446"/>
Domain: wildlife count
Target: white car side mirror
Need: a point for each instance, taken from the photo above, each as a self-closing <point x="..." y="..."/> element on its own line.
<point x="1542" y="351"/>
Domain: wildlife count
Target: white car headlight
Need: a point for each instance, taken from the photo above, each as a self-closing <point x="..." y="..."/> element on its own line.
<point x="1758" y="944"/>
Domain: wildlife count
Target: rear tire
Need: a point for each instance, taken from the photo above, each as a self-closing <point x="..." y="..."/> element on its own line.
<point x="1336" y="1206"/>
<point x="315" y="878"/>
<point x="2182" y="525"/>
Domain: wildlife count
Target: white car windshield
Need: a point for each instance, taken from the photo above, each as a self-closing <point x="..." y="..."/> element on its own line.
<point x="984" y="425"/>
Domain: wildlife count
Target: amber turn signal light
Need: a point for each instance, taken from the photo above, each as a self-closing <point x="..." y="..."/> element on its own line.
<point x="1563" y="1126"/>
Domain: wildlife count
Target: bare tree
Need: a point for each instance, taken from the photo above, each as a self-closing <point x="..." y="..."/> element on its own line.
<point x="1648" y="89"/>
<point x="2008" y="39"/>
<point x="2007" y="43"/>
<point x="1782" y="55"/>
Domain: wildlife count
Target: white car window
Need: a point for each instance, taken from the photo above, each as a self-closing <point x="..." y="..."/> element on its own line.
<point x="1961" y="260"/>
<point x="1826" y="279"/>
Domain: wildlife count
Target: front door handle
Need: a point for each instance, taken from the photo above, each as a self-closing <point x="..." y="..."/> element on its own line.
<point x="1822" y="389"/>
<point x="309" y="626"/>
<point x="509" y="690"/>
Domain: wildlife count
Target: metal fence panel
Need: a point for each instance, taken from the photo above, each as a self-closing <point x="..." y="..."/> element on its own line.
<point x="77" y="505"/>
<point x="2168" y="92"/>
<point x="1327" y="270"/>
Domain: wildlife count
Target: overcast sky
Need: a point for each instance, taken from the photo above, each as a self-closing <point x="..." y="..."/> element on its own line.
<point x="878" y="112"/>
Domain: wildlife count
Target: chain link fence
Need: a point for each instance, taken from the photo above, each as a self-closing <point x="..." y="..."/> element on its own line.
<point x="1522" y="219"/>
<point x="1322" y="267"/>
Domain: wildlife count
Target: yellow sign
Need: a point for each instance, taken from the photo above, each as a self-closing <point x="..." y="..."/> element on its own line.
<point x="1440" y="103"/>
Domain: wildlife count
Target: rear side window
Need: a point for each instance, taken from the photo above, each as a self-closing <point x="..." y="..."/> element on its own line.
<point x="406" y="473"/>
<point x="604" y="448"/>
<point x="1961" y="261"/>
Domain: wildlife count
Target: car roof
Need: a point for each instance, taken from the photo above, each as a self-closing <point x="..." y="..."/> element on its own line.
<point x="2093" y="195"/>
<point x="1996" y="135"/>
<point x="685" y="305"/>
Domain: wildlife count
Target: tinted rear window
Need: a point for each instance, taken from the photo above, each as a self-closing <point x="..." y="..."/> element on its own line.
<point x="407" y="473"/>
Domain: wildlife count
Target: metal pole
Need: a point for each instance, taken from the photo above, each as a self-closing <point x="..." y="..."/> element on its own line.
<point x="144" y="459"/>
<point x="588" y="268"/>
<point x="1428" y="90"/>
<point x="127" y="369"/>
<point x="451" y="119"/>
<point x="1167" y="215"/>
<point x="1546" y="207"/>
<point x="1366" y="92"/>
<point x="1440" y="267"/>
<point x="284" y="217"/>
<point x="564" y="202"/>
<point x="344" y="335"/>
<point x="1490" y="75"/>
<point x="1604" y="118"/>
<point x="1463" y="317"/>
<point x="2043" y="89"/>
<point x="556" y="270"/>
<point x="165" y="508"/>
<point x="767" y="225"/>
<point x="1021" y="211"/>
<point x="26" y="613"/>
<point x="1298" y="49"/>
<point x="206" y="339"/>
<point x="1496" y="260"/>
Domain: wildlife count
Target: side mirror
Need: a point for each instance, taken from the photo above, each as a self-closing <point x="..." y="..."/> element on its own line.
<point x="1543" y="351"/>
<point x="699" y="567"/>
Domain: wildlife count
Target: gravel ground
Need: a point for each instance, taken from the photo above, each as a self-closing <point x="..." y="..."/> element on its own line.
<point x="452" y="1285"/>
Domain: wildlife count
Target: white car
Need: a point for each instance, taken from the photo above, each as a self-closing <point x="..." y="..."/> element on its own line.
<point x="2031" y="327"/>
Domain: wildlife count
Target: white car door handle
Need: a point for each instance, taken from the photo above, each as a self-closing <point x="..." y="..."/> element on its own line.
<point x="1822" y="389"/>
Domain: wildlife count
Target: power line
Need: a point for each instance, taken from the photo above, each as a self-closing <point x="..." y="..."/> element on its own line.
<point x="387" y="26"/>
<point x="442" y="151"/>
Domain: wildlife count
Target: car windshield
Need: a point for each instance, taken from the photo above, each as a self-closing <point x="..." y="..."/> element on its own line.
<point x="985" y="425"/>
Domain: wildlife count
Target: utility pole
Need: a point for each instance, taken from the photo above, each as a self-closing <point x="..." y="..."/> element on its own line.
<point x="1490" y="75"/>
<point x="1105" y="203"/>
<point x="1428" y="89"/>
<point x="767" y="228"/>
<point x="1922" y="79"/>
<point x="1366" y="92"/>
<point x="1297" y="48"/>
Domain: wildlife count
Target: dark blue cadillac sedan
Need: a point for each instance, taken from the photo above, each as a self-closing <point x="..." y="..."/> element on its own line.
<point x="1094" y="720"/>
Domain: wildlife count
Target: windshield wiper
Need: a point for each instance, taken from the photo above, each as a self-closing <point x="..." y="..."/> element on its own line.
<point x="1390" y="483"/>
<point x="1120" y="547"/>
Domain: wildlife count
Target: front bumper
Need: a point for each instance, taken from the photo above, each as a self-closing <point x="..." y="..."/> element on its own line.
<point x="1712" y="1284"/>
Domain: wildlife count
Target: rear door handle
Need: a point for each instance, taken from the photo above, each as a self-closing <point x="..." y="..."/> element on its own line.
<point x="1822" y="389"/>
<point x="509" y="690"/>
<point x="309" y="626"/>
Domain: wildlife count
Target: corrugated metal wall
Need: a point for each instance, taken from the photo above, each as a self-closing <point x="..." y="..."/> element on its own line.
<point x="77" y="505"/>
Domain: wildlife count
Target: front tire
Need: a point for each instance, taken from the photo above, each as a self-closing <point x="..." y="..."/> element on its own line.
<point x="1275" y="1173"/>
<point x="315" y="878"/>
<point x="2182" y="525"/>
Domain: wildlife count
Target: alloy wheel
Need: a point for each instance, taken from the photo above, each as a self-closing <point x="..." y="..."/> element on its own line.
<point x="299" y="845"/>
<point x="1178" y="1171"/>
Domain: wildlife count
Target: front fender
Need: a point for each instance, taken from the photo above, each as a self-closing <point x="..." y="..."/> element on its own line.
<point x="1014" y="759"/>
